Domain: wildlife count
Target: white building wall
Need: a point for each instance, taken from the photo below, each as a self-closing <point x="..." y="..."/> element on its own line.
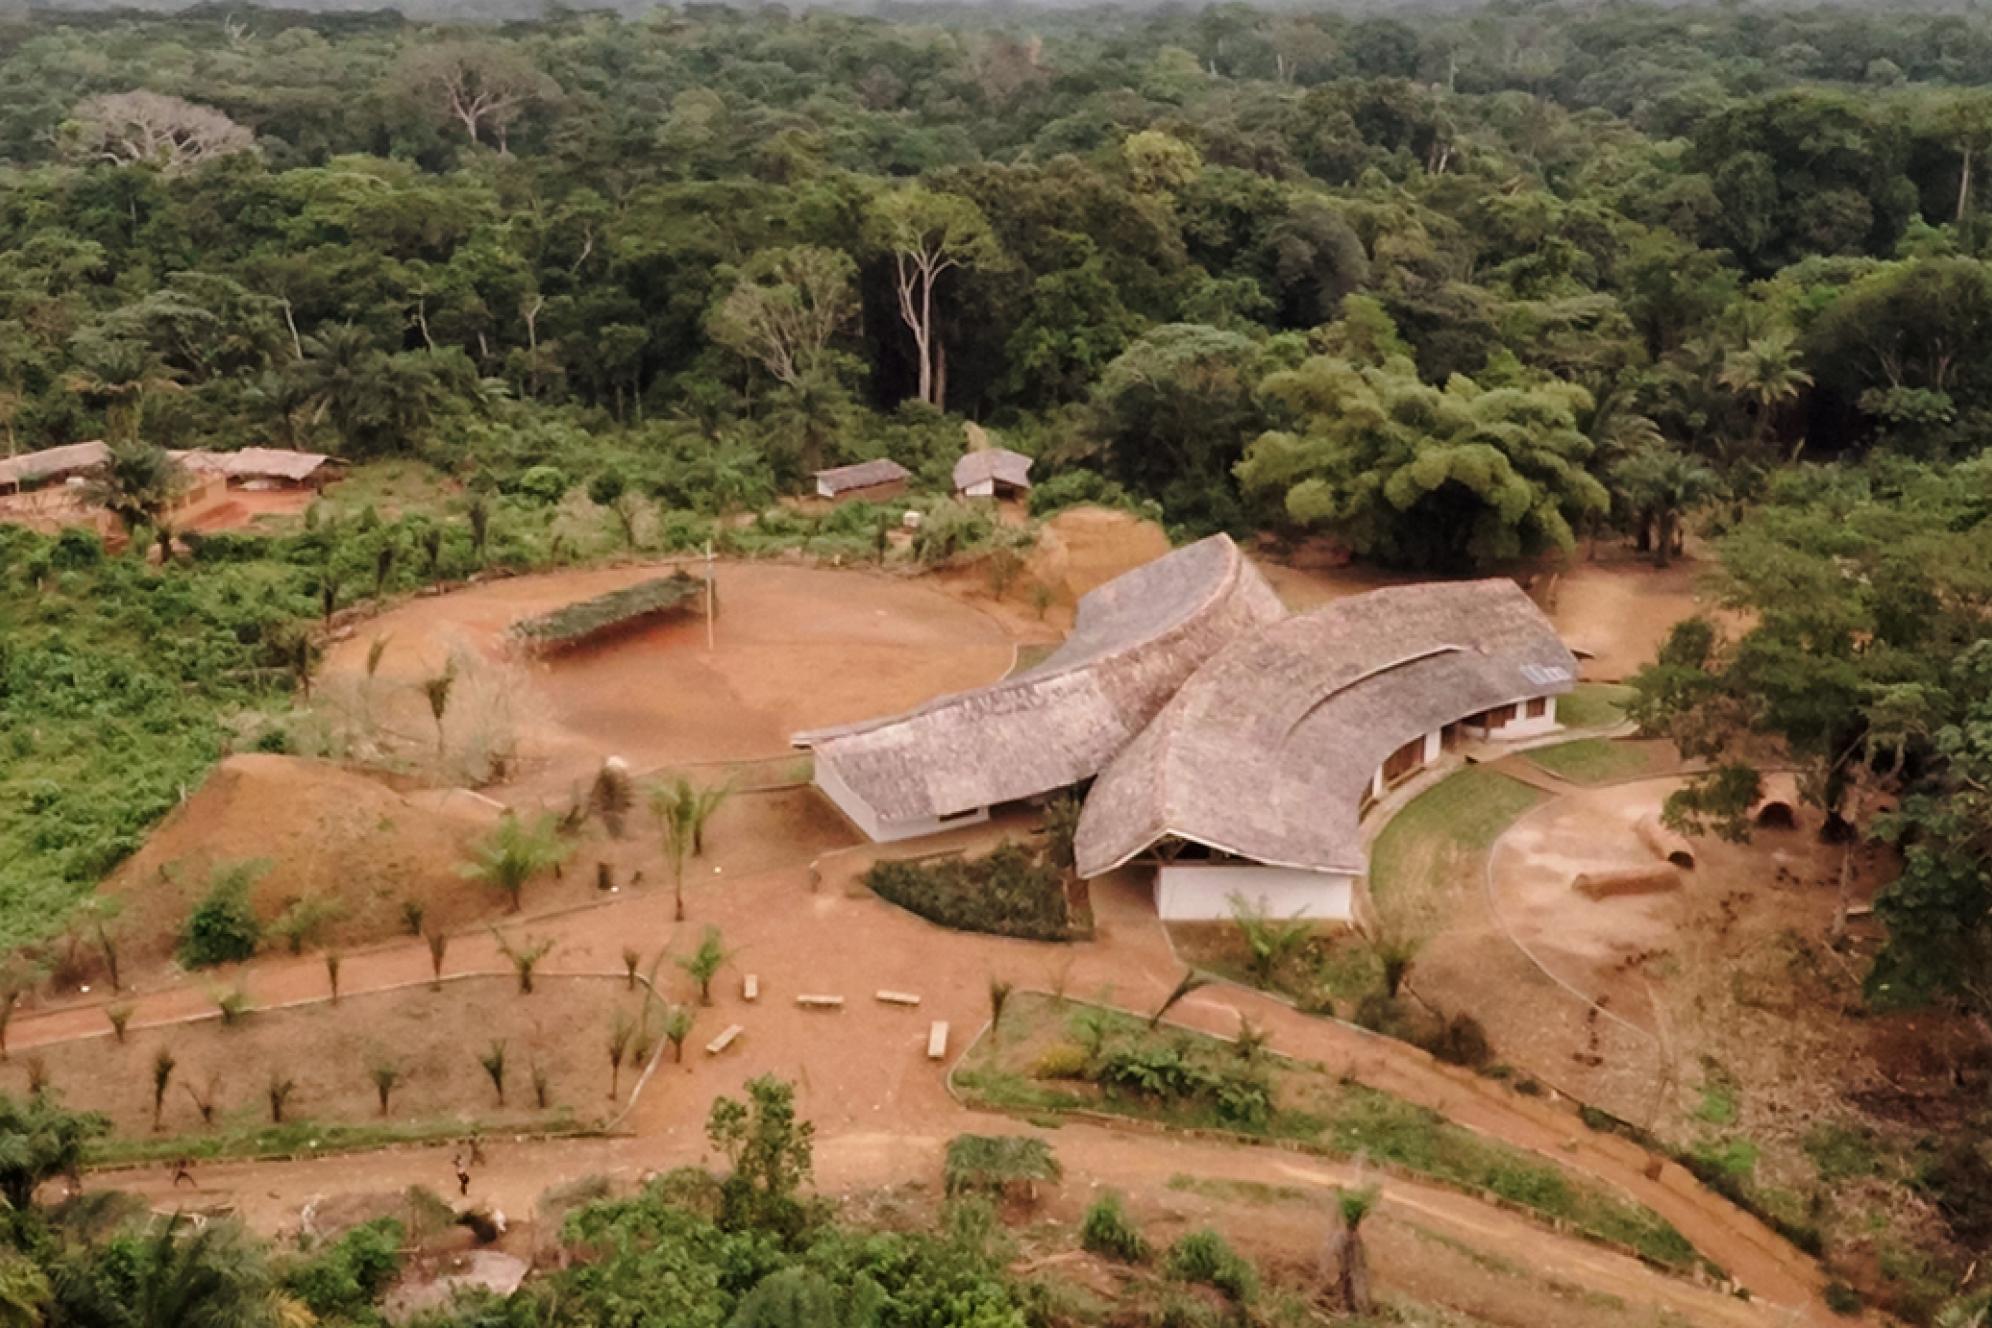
<point x="1520" y="727"/>
<point x="1202" y="891"/>
<point x="823" y="489"/>
<point x="980" y="489"/>
<point x="870" y="824"/>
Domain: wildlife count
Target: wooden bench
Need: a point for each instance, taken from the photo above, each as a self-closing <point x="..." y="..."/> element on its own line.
<point x="724" y="1040"/>
<point x="750" y="987"/>
<point x="820" y="1002"/>
<point x="937" y="1040"/>
<point x="899" y="998"/>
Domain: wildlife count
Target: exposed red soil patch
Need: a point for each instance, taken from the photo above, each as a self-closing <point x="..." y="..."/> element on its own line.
<point x="324" y="830"/>
<point x="433" y="1037"/>
<point x="796" y="648"/>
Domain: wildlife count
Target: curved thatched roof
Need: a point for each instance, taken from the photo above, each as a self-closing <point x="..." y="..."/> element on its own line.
<point x="1266" y="751"/>
<point x="1135" y="641"/>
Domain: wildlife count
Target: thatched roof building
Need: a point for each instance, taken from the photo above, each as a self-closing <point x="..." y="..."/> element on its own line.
<point x="53" y="463"/>
<point x="992" y="472"/>
<point x="881" y="475"/>
<point x="279" y="464"/>
<point x="1268" y="751"/>
<point x="1136" y="640"/>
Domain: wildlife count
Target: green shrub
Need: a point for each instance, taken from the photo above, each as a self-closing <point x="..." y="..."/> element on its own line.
<point x="1204" y="1256"/>
<point x="1238" y="1096"/>
<point x="1462" y="1041"/>
<point x="997" y="1163"/>
<point x="1843" y="1299"/>
<point x="542" y="484"/>
<point x="1108" y="1231"/>
<point x="1061" y="1060"/>
<point x="1011" y="892"/>
<point x="342" y="1280"/>
<point x="223" y="928"/>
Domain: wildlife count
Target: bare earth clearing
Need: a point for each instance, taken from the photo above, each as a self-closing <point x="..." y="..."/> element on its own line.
<point x="801" y="647"/>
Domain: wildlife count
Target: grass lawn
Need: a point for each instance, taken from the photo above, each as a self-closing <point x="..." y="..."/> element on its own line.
<point x="1593" y="705"/>
<point x="1045" y="1060"/>
<point x="1461" y="816"/>
<point x="1595" y="760"/>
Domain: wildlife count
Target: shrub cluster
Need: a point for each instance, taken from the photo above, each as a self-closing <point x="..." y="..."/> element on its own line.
<point x="1239" y="1097"/>
<point x="1109" y="1232"/>
<point x="1011" y="892"/>
<point x="223" y="928"/>
<point x="1204" y="1256"/>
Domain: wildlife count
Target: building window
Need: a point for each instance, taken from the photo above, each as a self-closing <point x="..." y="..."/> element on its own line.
<point x="1535" y="708"/>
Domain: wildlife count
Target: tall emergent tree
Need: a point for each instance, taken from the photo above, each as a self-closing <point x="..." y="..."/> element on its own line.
<point x="928" y="235"/>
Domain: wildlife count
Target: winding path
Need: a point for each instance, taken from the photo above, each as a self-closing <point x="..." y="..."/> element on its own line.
<point x="882" y="1111"/>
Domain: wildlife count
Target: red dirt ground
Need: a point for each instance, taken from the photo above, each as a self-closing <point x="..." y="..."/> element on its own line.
<point x="434" y="1037"/>
<point x="798" y="648"/>
<point x="326" y="831"/>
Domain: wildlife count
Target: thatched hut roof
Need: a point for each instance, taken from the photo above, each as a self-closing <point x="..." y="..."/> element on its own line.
<point x="256" y="463"/>
<point x="53" y="463"/>
<point x="1266" y="751"/>
<point x="863" y="475"/>
<point x="992" y="463"/>
<point x="1135" y="640"/>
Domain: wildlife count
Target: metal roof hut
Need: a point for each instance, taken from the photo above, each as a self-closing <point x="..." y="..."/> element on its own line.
<point x="883" y="478"/>
<point x="992" y="472"/>
<point x="1135" y="641"/>
<point x="31" y="469"/>
<point x="1253" y="780"/>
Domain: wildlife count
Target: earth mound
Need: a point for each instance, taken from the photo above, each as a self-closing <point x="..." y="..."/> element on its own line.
<point x="325" y="832"/>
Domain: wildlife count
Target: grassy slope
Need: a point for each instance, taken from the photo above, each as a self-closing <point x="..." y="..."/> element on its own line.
<point x="1593" y="705"/>
<point x="1314" y="1108"/>
<point x="1593" y="760"/>
<point x="1462" y="815"/>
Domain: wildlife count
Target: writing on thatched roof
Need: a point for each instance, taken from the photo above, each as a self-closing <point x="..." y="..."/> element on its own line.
<point x="863" y="475"/>
<point x="1135" y="640"/>
<point x="572" y="624"/>
<point x="1266" y="751"/>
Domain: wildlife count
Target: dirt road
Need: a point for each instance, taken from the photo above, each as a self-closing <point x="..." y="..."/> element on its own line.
<point x="862" y="1074"/>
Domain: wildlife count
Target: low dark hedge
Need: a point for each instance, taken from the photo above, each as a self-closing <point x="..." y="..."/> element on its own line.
<point x="1011" y="892"/>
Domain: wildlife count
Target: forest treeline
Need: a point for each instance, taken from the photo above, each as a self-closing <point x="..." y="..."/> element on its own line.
<point x="1452" y="288"/>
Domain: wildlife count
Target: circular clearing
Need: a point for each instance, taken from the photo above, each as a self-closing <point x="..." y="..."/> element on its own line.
<point x="795" y="648"/>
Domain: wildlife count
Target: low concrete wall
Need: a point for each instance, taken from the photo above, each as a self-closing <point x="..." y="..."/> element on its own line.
<point x="1202" y="891"/>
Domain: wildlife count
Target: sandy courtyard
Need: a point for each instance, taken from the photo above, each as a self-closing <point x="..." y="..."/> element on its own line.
<point x="796" y="648"/>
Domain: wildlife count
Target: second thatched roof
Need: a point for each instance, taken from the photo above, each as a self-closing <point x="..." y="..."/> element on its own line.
<point x="997" y="464"/>
<point x="1266" y="751"/>
<point x="1135" y="641"/>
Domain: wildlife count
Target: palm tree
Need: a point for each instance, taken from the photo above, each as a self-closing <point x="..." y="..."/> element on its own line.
<point x="682" y="809"/>
<point x="213" y="1277"/>
<point x="137" y="486"/>
<point x="514" y="853"/>
<point x="1658" y="486"/>
<point x="120" y="374"/>
<point x="1766" y="374"/>
<point x="1345" y="1263"/>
